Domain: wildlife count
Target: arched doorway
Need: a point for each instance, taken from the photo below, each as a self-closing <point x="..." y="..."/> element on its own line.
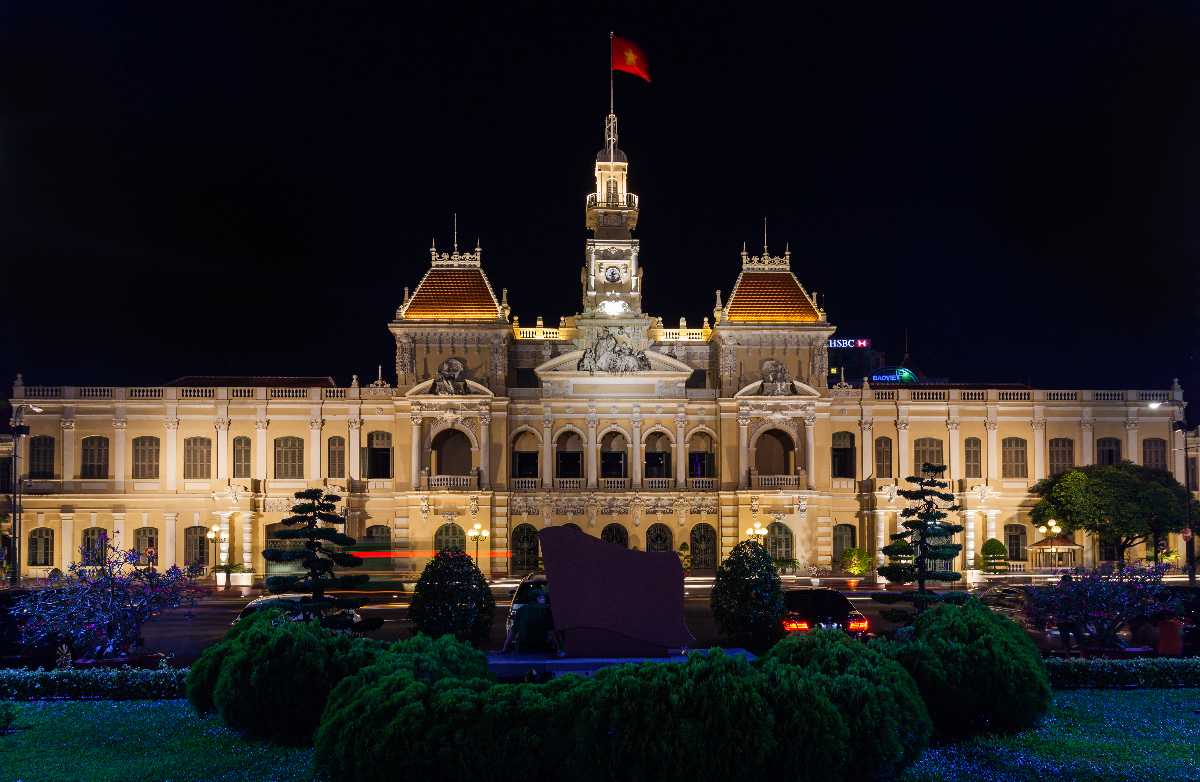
<point x="659" y="538"/>
<point x="615" y="533"/>
<point x="450" y="453"/>
<point x="774" y="453"/>
<point x="613" y="448"/>
<point x="524" y="549"/>
<point x="568" y="453"/>
<point x="449" y="537"/>
<point x="843" y="538"/>
<point x="702" y="456"/>
<point x="658" y="455"/>
<point x="525" y="455"/>
<point x="780" y="542"/>
<point x="704" y="547"/>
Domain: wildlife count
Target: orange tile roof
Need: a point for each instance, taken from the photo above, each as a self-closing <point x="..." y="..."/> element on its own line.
<point x="453" y="294"/>
<point x="770" y="297"/>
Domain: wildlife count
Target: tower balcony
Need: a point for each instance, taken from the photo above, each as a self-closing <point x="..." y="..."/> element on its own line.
<point x="604" y="201"/>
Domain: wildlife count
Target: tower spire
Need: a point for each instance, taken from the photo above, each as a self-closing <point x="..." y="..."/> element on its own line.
<point x="456" y="233"/>
<point x="765" y="253"/>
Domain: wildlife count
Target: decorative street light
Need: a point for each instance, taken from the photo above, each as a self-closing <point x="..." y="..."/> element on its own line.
<point x="477" y="533"/>
<point x="214" y="534"/>
<point x="757" y="532"/>
<point x="1050" y="527"/>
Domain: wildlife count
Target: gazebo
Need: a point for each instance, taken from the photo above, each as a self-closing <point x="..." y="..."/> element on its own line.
<point x="1058" y="551"/>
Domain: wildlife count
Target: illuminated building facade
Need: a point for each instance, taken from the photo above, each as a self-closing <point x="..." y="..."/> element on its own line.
<point x="647" y="434"/>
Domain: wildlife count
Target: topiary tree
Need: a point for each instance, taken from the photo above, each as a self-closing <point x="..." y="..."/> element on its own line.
<point x="995" y="556"/>
<point x="747" y="598"/>
<point x="926" y="535"/>
<point x="856" y="561"/>
<point x="453" y="597"/>
<point x="316" y="519"/>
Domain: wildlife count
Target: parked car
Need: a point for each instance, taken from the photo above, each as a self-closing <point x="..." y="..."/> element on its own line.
<point x="522" y="594"/>
<point x="290" y="604"/>
<point x="52" y="654"/>
<point x="812" y="609"/>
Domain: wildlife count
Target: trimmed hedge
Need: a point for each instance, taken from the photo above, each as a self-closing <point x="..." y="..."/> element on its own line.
<point x="1145" y="672"/>
<point x="976" y="670"/>
<point x="747" y="597"/>
<point x="123" y="683"/>
<point x="453" y="597"/>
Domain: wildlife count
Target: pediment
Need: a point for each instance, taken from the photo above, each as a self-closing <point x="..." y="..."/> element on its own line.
<point x="799" y="389"/>
<point x="661" y="365"/>
<point x="425" y="388"/>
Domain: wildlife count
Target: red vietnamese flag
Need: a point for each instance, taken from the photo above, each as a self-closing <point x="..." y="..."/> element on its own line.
<point x="626" y="56"/>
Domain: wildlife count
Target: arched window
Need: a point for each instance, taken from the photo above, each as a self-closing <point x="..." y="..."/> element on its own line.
<point x="1014" y="538"/>
<point x="841" y="456"/>
<point x="1154" y="453"/>
<point x="95" y="457"/>
<point x="612" y="455"/>
<point x="659" y="538"/>
<point x="377" y="457"/>
<point x="145" y="542"/>
<point x="524" y="549"/>
<point x="525" y="455"/>
<point x="378" y="536"/>
<point x="41" y="456"/>
<point x="973" y="457"/>
<point x="774" y="454"/>
<point x="1014" y="462"/>
<point x="1108" y="450"/>
<point x="843" y="538"/>
<point x="702" y="456"/>
<point x="289" y="458"/>
<point x="1062" y="455"/>
<point x="241" y="457"/>
<point x="41" y="547"/>
<point x="616" y="534"/>
<point x="450" y="452"/>
<point x="779" y="541"/>
<point x="195" y="546"/>
<point x="704" y="547"/>
<point x="449" y="537"/>
<point x="883" y="457"/>
<point x="94" y="542"/>
<point x="145" y="457"/>
<point x="569" y="455"/>
<point x="658" y="455"/>
<point x="197" y="458"/>
<point x="926" y="450"/>
<point x="337" y="457"/>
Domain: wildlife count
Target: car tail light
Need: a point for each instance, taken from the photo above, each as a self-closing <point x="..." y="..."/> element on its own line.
<point x="859" y="625"/>
<point x="795" y="625"/>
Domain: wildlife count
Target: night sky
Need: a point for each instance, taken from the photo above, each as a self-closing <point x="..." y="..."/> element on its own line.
<point x="247" y="189"/>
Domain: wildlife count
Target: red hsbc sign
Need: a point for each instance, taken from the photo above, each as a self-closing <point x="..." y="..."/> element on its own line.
<point x="857" y="342"/>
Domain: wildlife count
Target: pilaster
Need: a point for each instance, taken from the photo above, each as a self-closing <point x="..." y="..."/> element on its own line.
<point x="66" y="550"/>
<point x="118" y="467"/>
<point x="167" y="554"/>
<point x="170" y="450"/>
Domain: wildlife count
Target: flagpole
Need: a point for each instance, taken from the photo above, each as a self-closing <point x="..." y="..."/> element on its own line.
<point x="610" y="74"/>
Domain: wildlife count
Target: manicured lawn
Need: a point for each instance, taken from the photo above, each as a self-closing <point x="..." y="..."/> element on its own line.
<point x="137" y="741"/>
<point x="1089" y="735"/>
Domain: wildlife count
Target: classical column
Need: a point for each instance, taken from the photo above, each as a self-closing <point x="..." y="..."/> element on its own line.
<point x="969" y="522"/>
<point x="1089" y="445"/>
<point x="119" y="530"/>
<point x="547" y="453"/>
<point x="224" y="540"/>
<point x="167" y="556"/>
<point x="993" y="450"/>
<point x="906" y="454"/>
<point x="68" y="448"/>
<point x="743" y="421"/>
<point x="485" y="449"/>
<point x="354" y="449"/>
<point x="1134" y="453"/>
<point x="260" y="448"/>
<point x="221" y="425"/>
<point x="246" y="520"/>
<point x="868" y="449"/>
<point x="312" y="467"/>
<point x="638" y="464"/>
<point x="591" y="454"/>
<point x="1179" y="463"/>
<point x="66" y="549"/>
<point x="881" y="535"/>
<point x="680" y="451"/>
<point x="1039" y="448"/>
<point x="170" y="451"/>
<point x="992" y="515"/>
<point x="810" y="451"/>
<point x="118" y="466"/>
<point x="955" y="443"/>
<point x="414" y="457"/>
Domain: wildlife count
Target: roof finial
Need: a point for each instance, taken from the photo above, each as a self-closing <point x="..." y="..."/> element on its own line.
<point x="765" y="252"/>
<point x="456" y="233"/>
<point x="379" y="373"/>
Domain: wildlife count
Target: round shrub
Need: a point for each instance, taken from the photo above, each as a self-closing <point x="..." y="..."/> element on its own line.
<point x="976" y="670"/>
<point x="812" y="739"/>
<point x="887" y="723"/>
<point x="856" y="561"/>
<point x="452" y="597"/>
<point x="431" y="659"/>
<point x="747" y="598"/>
<point x="202" y="676"/>
<point x="994" y="555"/>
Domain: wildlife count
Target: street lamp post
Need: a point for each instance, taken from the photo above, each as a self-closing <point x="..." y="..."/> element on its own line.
<point x="20" y="429"/>
<point x="477" y="533"/>
<point x="757" y="533"/>
<point x="213" y="534"/>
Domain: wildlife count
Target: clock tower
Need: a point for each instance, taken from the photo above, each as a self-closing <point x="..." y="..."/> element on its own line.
<point x="612" y="280"/>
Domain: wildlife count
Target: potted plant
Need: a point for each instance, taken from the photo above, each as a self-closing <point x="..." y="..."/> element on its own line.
<point x="224" y="572"/>
<point x="685" y="558"/>
<point x="787" y="566"/>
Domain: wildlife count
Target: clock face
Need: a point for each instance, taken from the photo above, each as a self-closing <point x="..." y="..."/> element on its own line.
<point x="612" y="274"/>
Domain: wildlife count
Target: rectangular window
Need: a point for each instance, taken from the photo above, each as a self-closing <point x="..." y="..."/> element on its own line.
<point x="241" y="457"/>
<point x="6" y="466"/>
<point x="570" y="464"/>
<point x="525" y="464"/>
<point x="197" y="458"/>
<point x="145" y="458"/>
<point x="1154" y="453"/>
<point x="841" y="455"/>
<point x="701" y="465"/>
<point x="41" y="457"/>
<point x="1013" y="458"/>
<point x="883" y="457"/>
<point x="658" y="464"/>
<point x="927" y="450"/>
<point x="95" y="458"/>
<point x="1108" y="450"/>
<point x="1062" y="455"/>
<point x="612" y="464"/>
<point x="289" y="458"/>
<point x="337" y="457"/>
<point x="973" y="457"/>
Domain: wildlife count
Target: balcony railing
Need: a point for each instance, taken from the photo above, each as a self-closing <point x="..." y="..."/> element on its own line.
<point x="680" y="335"/>
<point x="454" y="482"/>
<point x="776" y="482"/>
<point x="702" y="484"/>
<point x="658" y="484"/>
<point x="614" y="484"/>
<point x="525" y="484"/>
<point x="568" y="483"/>
<point x="594" y="201"/>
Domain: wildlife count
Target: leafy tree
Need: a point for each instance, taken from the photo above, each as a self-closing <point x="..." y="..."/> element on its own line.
<point x="315" y="519"/>
<point x="1124" y="504"/>
<point x="747" y="598"/>
<point x="102" y="602"/>
<point x="1101" y="601"/>
<point x="452" y="597"/>
<point x="994" y="555"/>
<point x="856" y="561"/>
<point x="925" y="536"/>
